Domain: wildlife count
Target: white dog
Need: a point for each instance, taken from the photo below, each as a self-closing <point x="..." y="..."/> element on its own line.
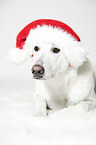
<point x="63" y="73"/>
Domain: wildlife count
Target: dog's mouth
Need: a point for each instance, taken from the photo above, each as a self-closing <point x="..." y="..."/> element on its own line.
<point x="38" y="78"/>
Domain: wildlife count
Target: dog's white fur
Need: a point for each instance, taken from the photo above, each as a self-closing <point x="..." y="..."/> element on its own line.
<point x="68" y="77"/>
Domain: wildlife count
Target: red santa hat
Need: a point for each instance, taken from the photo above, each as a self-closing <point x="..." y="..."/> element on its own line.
<point x="20" y="56"/>
<point x="21" y="37"/>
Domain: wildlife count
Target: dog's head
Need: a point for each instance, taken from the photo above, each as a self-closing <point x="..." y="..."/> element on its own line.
<point x="51" y="49"/>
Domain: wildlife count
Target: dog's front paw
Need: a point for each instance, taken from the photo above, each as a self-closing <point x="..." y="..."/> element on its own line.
<point x="40" y="108"/>
<point x="40" y="113"/>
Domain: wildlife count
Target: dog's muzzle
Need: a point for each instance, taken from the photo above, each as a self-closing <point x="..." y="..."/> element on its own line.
<point x="37" y="71"/>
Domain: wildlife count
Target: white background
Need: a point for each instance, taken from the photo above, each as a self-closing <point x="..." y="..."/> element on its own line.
<point x="16" y="84"/>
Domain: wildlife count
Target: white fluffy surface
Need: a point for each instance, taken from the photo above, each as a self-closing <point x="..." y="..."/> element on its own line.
<point x="71" y="126"/>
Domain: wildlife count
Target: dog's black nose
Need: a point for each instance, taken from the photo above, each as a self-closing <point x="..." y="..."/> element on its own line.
<point x="38" y="71"/>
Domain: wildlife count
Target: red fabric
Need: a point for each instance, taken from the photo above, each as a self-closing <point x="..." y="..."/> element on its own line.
<point x="21" y="37"/>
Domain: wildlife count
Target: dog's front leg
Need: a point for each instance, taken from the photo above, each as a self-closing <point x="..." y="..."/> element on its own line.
<point x="40" y="99"/>
<point x="40" y="106"/>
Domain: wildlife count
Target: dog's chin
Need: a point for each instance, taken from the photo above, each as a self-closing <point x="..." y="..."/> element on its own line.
<point x="43" y="78"/>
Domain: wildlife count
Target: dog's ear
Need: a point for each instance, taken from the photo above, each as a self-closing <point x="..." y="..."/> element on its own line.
<point x="76" y="55"/>
<point x="17" y="56"/>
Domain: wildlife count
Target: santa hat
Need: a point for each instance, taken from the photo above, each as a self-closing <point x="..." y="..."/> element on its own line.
<point x="19" y="54"/>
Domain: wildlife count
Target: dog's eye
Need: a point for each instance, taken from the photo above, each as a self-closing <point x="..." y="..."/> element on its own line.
<point x="36" y="48"/>
<point x="56" y="50"/>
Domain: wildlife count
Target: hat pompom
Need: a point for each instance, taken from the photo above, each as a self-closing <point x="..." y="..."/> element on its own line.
<point x="17" y="55"/>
